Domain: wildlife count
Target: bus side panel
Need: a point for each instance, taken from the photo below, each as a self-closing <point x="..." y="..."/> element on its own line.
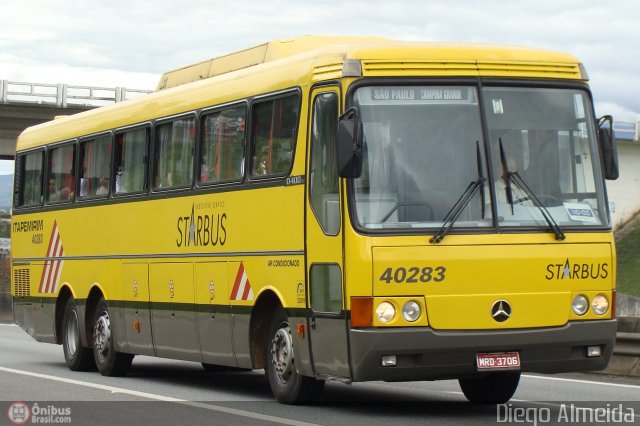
<point x="137" y="314"/>
<point x="213" y="316"/>
<point x="172" y="311"/>
<point x="240" y="311"/>
<point x="32" y="311"/>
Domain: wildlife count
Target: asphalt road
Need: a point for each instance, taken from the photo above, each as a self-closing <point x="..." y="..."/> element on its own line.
<point x="163" y="392"/>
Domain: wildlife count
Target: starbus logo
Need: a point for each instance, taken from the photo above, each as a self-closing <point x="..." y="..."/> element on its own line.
<point x="202" y="230"/>
<point x="577" y="271"/>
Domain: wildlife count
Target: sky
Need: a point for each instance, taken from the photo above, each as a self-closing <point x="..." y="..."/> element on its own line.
<point x="130" y="43"/>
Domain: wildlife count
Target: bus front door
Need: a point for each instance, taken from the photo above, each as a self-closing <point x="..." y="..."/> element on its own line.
<point x="327" y="321"/>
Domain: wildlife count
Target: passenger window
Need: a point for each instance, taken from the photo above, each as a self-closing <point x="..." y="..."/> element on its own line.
<point x="273" y="136"/>
<point x="222" y="150"/>
<point x="95" y="167"/>
<point x="326" y="288"/>
<point x="29" y="168"/>
<point x="131" y="161"/>
<point x="173" y="159"/>
<point x="61" y="182"/>
<point x="324" y="198"/>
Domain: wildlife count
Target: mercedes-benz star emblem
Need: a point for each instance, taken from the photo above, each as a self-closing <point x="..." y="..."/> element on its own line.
<point x="501" y="310"/>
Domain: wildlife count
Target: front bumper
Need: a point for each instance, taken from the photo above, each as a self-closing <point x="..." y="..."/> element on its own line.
<point x="426" y="354"/>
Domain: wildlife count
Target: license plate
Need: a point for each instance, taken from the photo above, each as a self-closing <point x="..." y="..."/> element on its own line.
<point x="497" y="361"/>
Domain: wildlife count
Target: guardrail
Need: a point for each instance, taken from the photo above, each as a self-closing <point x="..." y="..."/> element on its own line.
<point x="627" y="344"/>
<point x="6" y="309"/>
<point x="63" y="95"/>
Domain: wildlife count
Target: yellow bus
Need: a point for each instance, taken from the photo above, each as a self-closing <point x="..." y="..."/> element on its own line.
<point x="328" y="208"/>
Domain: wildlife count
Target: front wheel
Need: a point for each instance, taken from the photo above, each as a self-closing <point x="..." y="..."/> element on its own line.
<point x="109" y="361"/>
<point x="287" y="385"/>
<point x="77" y="357"/>
<point x="495" y="388"/>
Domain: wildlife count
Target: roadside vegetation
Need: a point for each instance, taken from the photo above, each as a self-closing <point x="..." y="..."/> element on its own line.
<point x="628" y="246"/>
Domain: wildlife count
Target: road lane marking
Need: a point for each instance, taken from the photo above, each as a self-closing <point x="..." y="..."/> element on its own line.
<point x="591" y="382"/>
<point x="112" y="389"/>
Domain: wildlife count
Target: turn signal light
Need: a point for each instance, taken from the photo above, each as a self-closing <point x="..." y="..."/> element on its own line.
<point x="361" y="312"/>
<point x="613" y="303"/>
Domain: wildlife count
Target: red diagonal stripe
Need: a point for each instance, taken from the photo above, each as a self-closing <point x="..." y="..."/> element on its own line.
<point x="55" y="264"/>
<point x="247" y="289"/>
<point x="236" y="285"/>
<point x="47" y="264"/>
<point x="53" y="232"/>
<point x="45" y="270"/>
<point x="56" y="276"/>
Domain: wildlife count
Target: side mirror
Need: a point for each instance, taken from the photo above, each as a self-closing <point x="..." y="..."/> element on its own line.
<point x="350" y="143"/>
<point x="607" y="139"/>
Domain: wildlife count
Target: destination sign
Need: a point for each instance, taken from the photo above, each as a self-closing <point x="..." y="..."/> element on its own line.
<point x="395" y="95"/>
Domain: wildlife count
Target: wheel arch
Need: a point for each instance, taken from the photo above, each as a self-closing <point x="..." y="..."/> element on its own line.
<point x="95" y="294"/>
<point x="64" y="295"/>
<point x="263" y="310"/>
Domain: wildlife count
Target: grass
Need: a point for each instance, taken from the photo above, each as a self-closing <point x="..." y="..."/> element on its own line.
<point x="629" y="262"/>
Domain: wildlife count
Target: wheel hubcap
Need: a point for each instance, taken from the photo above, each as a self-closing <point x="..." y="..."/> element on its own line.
<point x="102" y="335"/>
<point x="72" y="333"/>
<point x="282" y="353"/>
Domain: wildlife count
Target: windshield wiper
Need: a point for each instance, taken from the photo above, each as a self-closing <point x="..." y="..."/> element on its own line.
<point x="463" y="201"/>
<point x="517" y="179"/>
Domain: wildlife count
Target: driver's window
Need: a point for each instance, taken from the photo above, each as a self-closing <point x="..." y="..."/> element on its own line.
<point x="324" y="194"/>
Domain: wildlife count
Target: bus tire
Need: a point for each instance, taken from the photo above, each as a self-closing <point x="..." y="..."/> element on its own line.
<point x="495" y="388"/>
<point x="109" y="361"/>
<point x="287" y="385"/>
<point x="77" y="357"/>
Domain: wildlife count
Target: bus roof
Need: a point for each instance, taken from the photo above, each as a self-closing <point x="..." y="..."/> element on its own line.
<point x="302" y="61"/>
<point x="267" y="52"/>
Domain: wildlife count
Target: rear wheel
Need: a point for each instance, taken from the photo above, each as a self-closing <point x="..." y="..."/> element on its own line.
<point x="287" y="385"/>
<point x="77" y="357"/>
<point x="495" y="388"/>
<point x="109" y="361"/>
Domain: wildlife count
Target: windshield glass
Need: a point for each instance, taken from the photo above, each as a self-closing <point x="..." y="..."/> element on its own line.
<point x="424" y="147"/>
<point x="548" y="139"/>
<point x="420" y="155"/>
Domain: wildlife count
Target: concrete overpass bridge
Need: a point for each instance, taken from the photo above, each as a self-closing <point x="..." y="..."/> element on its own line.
<point x="27" y="104"/>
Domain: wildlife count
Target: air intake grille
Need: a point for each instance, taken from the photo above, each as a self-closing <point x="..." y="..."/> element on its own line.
<point x="529" y="69"/>
<point x="372" y="68"/>
<point x="328" y="71"/>
<point x="21" y="282"/>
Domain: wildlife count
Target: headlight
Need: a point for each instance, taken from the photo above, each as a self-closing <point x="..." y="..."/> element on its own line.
<point x="580" y="304"/>
<point x="411" y="311"/>
<point x="600" y="304"/>
<point x="385" y="312"/>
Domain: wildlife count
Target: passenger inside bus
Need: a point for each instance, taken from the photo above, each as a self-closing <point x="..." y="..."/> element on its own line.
<point x="61" y="188"/>
<point x="103" y="189"/>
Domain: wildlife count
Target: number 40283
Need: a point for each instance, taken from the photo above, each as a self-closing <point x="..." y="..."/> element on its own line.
<point x="414" y="274"/>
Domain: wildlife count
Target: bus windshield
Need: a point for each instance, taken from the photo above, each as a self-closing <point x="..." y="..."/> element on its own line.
<point x="425" y="145"/>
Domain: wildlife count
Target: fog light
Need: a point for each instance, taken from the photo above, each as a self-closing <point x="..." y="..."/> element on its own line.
<point x="385" y="312"/>
<point x="411" y="311"/>
<point x="388" y="361"/>
<point x="580" y="304"/>
<point x="594" y="351"/>
<point x="600" y="304"/>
